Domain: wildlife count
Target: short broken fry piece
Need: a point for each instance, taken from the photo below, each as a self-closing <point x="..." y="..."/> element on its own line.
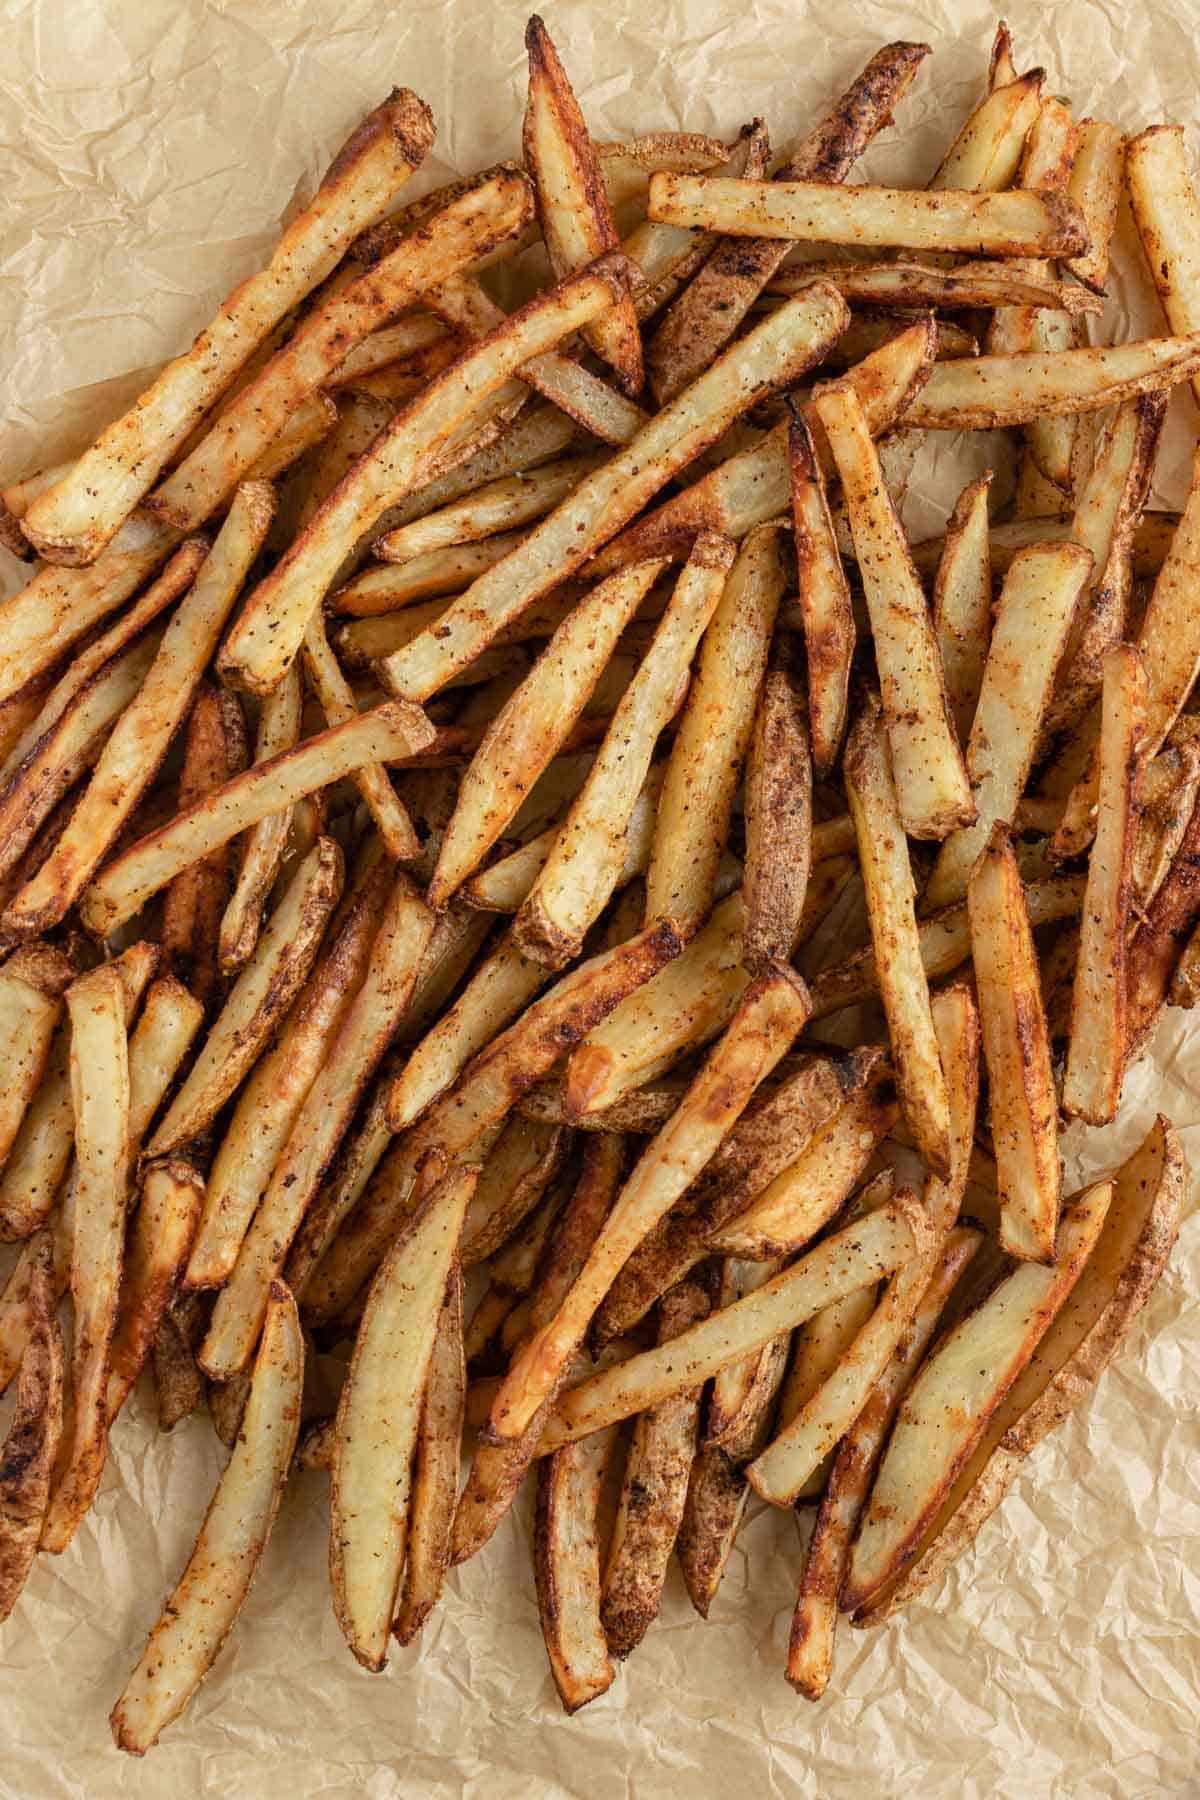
<point x="28" y="1453"/>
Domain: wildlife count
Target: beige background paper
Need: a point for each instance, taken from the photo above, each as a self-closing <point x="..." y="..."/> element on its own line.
<point x="149" y="150"/>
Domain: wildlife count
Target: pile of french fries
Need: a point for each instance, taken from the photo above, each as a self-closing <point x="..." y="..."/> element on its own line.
<point x="449" y="748"/>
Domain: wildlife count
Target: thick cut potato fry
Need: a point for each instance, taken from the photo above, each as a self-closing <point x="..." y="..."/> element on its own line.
<point x="259" y="999"/>
<point x="75" y="520"/>
<point x="777" y="809"/>
<point x="903" y="985"/>
<point x="985" y="392"/>
<point x="157" y="1250"/>
<point x="366" y="1029"/>
<point x="947" y="1408"/>
<point x="935" y="795"/>
<point x="270" y="1102"/>
<point x="32" y="984"/>
<point x="1167" y="216"/>
<point x="28" y="1455"/>
<point x="501" y="507"/>
<point x="909" y="286"/>
<point x="695" y="805"/>
<point x="379" y="1418"/>
<point x="653" y="1495"/>
<point x="667" y="255"/>
<point x="581" y="871"/>
<point x="392" y="730"/>
<point x="372" y="780"/>
<point x="575" y="213"/>
<point x="100" y="1100"/>
<point x="1167" y="795"/>
<point x="1095" y="187"/>
<point x="523" y="1162"/>
<point x="986" y="154"/>
<point x="1038" y="602"/>
<point x="774" y="354"/>
<point x="962" y="602"/>
<point x="771" y="1012"/>
<point x="1118" y="1278"/>
<point x="567" y="1560"/>
<point x="829" y="632"/>
<point x="319" y="347"/>
<point x="201" y="1612"/>
<point x="138" y="743"/>
<point x="858" y="1256"/>
<point x="712" y="1517"/>
<point x="1020" y="223"/>
<point x="1099" y="1010"/>
<point x="264" y="844"/>
<point x="530" y="728"/>
<point x="814" y="1622"/>
<point x="271" y="625"/>
<point x="1016" y="1046"/>
<point x="709" y="311"/>
<point x="435" y="1478"/>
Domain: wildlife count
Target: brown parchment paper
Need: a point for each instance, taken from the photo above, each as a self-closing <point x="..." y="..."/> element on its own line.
<point x="149" y="150"/>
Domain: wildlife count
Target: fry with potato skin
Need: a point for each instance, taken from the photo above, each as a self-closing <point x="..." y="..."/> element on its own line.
<point x="214" y="750"/>
<point x="829" y="631"/>
<point x="28" y="1455"/>
<point x="201" y="1612"/>
<point x="155" y="1255"/>
<point x="264" y="844"/>
<point x="512" y="1180"/>
<point x="962" y="602"/>
<point x="566" y="1561"/>
<point x="1165" y="210"/>
<point x="906" y="285"/>
<point x="501" y="507"/>
<point x="435" y="1480"/>
<point x="985" y="392"/>
<point x="372" y="781"/>
<point x="1095" y="187"/>
<point x="777" y="812"/>
<point x="986" y="154"/>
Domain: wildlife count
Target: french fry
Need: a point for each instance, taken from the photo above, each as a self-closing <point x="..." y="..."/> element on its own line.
<point x="829" y="631"/>
<point x="986" y="392"/>
<point x="339" y="1262"/>
<point x="814" y="1622"/>
<point x="1099" y="1011"/>
<point x="737" y="1400"/>
<point x="709" y="311"/>
<point x="319" y="347"/>
<point x="271" y="625"/>
<point x="363" y="1035"/>
<point x="272" y="1098"/>
<point x="178" y="1383"/>
<point x="201" y="1612"/>
<point x="777" y="810"/>
<point x="775" y="353"/>
<point x="930" y="778"/>
<point x="372" y="780"/>
<point x="214" y="749"/>
<point x="576" y="217"/>
<point x="379" y="1417"/>
<point x="903" y="985"/>
<point x="771" y="1012"/>
<point x="1038" y="603"/>
<point x="1165" y="211"/>
<point x="653" y="1495"/>
<point x="1016" y="1047"/>
<point x="523" y="1162"/>
<point x="155" y="1254"/>
<point x="41" y="1150"/>
<point x="387" y="596"/>
<point x="566" y="1560"/>
<point x="962" y="602"/>
<point x="530" y="728"/>
<point x="32" y="984"/>
<point x="263" y="847"/>
<point x="669" y="256"/>
<point x="391" y="730"/>
<point x="100" y="1099"/>
<point x="501" y="507"/>
<point x="581" y="871"/>
<point x="435" y="1479"/>
<point x="909" y="286"/>
<point x="1167" y="796"/>
<point x="712" y="1517"/>
<point x="957" y="1390"/>
<point x="986" y="154"/>
<point x="1095" y="187"/>
<point x="28" y="1455"/>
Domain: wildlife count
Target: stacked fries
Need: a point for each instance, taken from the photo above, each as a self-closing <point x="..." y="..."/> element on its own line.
<point x="440" y="747"/>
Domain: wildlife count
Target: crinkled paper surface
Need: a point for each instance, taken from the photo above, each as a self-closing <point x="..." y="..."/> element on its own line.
<point x="150" y="149"/>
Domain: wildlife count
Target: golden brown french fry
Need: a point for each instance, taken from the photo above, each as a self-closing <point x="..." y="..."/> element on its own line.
<point x="774" y="354"/>
<point x="500" y="507"/>
<point x="155" y="1254"/>
<point x="667" y="255"/>
<point x="743" y="1392"/>
<point x="777" y="809"/>
<point x="708" y="312"/>
<point x="41" y="1150"/>
<point x="379" y="1417"/>
<point x="1099" y="1040"/>
<point x="581" y="871"/>
<point x="392" y="730"/>
<point x="1162" y="937"/>
<point x="435" y="1478"/>
<point x="986" y="392"/>
<point x="263" y="846"/>
<point x="908" y="286"/>
<point x="828" y="618"/>
<point x="932" y="783"/>
<point x="653" y="1494"/>
<point x="814" y="1622"/>
<point x="1167" y="216"/>
<point x="576" y="217"/>
<point x="958" y="1389"/>
<point x="100" y="1100"/>
<point x="1001" y="67"/>
<point x="214" y="749"/>
<point x="372" y="780"/>
<point x="903" y="984"/>
<point x="771" y="1012"/>
<point x="201" y="1612"/>
<point x="1167" y="796"/>
<point x="366" y="1029"/>
<point x="1038" y="602"/>
<point x="1118" y="1278"/>
<point x="962" y="602"/>
<point x="75" y="520"/>
<point x="28" y="1455"/>
<point x="530" y="728"/>
<point x="271" y="625"/>
<point x="1095" y="188"/>
<point x="712" y="1517"/>
<point x="520" y="1167"/>
<point x="386" y="588"/>
<point x="1016" y="1046"/>
<point x="32" y="983"/>
<point x="986" y="154"/>
<point x="566" y="1561"/>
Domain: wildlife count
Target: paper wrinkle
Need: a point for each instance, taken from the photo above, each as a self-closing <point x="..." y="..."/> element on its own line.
<point x="152" y="151"/>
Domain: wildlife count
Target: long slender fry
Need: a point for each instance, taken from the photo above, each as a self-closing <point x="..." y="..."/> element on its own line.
<point x="566" y="1554"/>
<point x="435" y="1481"/>
<point x="829" y="632"/>
<point x="983" y="392"/>
<point x="962" y="602"/>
